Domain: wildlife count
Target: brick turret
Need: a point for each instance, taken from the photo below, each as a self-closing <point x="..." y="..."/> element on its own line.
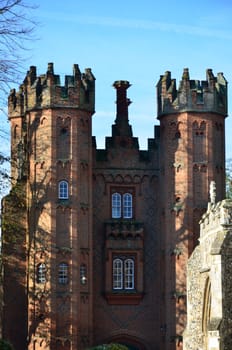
<point x="51" y="127"/>
<point x="192" y="154"/>
<point x="43" y="92"/>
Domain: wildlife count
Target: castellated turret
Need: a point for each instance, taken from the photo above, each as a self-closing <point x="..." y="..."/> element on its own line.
<point x="209" y="95"/>
<point x="46" y="91"/>
<point x="192" y="155"/>
<point x="51" y="147"/>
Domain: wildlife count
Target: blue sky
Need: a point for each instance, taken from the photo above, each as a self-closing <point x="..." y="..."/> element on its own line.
<point x="136" y="41"/>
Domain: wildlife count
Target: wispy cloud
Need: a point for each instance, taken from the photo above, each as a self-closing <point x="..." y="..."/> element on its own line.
<point x="140" y="24"/>
<point x="156" y="26"/>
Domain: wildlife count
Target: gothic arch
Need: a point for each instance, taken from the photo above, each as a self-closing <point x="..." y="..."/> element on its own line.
<point x="109" y="178"/>
<point x="16" y="132"/>
<point x="136" y="179"/>
<point x="128" y="179"/>
<point x="133" y="343"/>
<point x="118" y="179"/>
<point x="195" y="125"/>
<point x="203" y="125"/>
<point x="43" y="121"/>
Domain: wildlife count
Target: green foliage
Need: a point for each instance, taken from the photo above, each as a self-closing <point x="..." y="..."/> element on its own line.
<point x="4" y="345"/>
<point x="228" y="185"/>
<point x="112" y="346"/>
<point x="4" y="174"/>
<point x="13" y="220"/>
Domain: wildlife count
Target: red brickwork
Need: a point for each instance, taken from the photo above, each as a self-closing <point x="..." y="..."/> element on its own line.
<point x="96" y="270"/>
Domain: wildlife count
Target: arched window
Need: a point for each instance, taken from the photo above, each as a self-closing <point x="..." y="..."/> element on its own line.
<point x="123" y="273"/>
<point x="63" y="273"/>
<point x="116" y="205"/>
<point x="41" y="273"/>
<point x="122" y="205"/>
<point x="127" y="205"/>
<point x="117" y="274"/>
<point x="63" y="190"/>
<point x="129" y="273"/>
<point x="16" y="131"/>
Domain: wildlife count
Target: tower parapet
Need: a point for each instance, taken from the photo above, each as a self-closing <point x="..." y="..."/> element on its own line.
<point x="45" y="91"/>
<point x="209" y="95"/>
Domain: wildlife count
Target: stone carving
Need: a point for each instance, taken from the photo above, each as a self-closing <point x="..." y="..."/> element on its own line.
<point x="212" y="192"/>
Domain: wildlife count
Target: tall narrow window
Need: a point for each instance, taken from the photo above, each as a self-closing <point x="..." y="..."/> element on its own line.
<point x="63" y="138"/>
<point x="63" y="273"/>
<point x="41" y="273"/>
<point x="199" y="142"/>
<point x="129" y="273"/>
<point x="63" y="149"/>
<point x="117" y="274"/>
<point x="83" y="274"/>
<point x="63" y="190"/>
<point x="127" y="205"/>
<point x="116" y="205"/>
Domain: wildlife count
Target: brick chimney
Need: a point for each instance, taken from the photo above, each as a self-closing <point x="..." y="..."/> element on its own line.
<point x="122" y="127"/>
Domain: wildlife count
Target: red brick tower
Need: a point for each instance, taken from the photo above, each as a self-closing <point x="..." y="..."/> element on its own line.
<point x="51" y="141"/>
<point x="192" y="153"/>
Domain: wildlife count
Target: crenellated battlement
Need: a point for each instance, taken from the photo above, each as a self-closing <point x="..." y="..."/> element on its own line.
<point x="209" y="95"/>
<point x="45" y="91"/>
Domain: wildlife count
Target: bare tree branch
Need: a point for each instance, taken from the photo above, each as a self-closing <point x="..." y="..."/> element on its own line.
<point x="16" y="30"/>
<point x="17" y="27"/>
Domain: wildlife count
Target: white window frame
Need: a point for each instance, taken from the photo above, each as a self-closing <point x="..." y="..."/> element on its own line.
<point x="41" y="273"/>
<point x="123" y="274"/>
<point x="127" y="206"/>
<point x="63" y="273"/>
<point x="116" y="205"/>
<point x="129" y="274"/>
<point x="63" y="190"/>
<point x="117" y="274"/>
<point x="122" y="205"/>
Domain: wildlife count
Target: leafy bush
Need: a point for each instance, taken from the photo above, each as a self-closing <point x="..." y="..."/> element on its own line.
<point x="4" y="345"/>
